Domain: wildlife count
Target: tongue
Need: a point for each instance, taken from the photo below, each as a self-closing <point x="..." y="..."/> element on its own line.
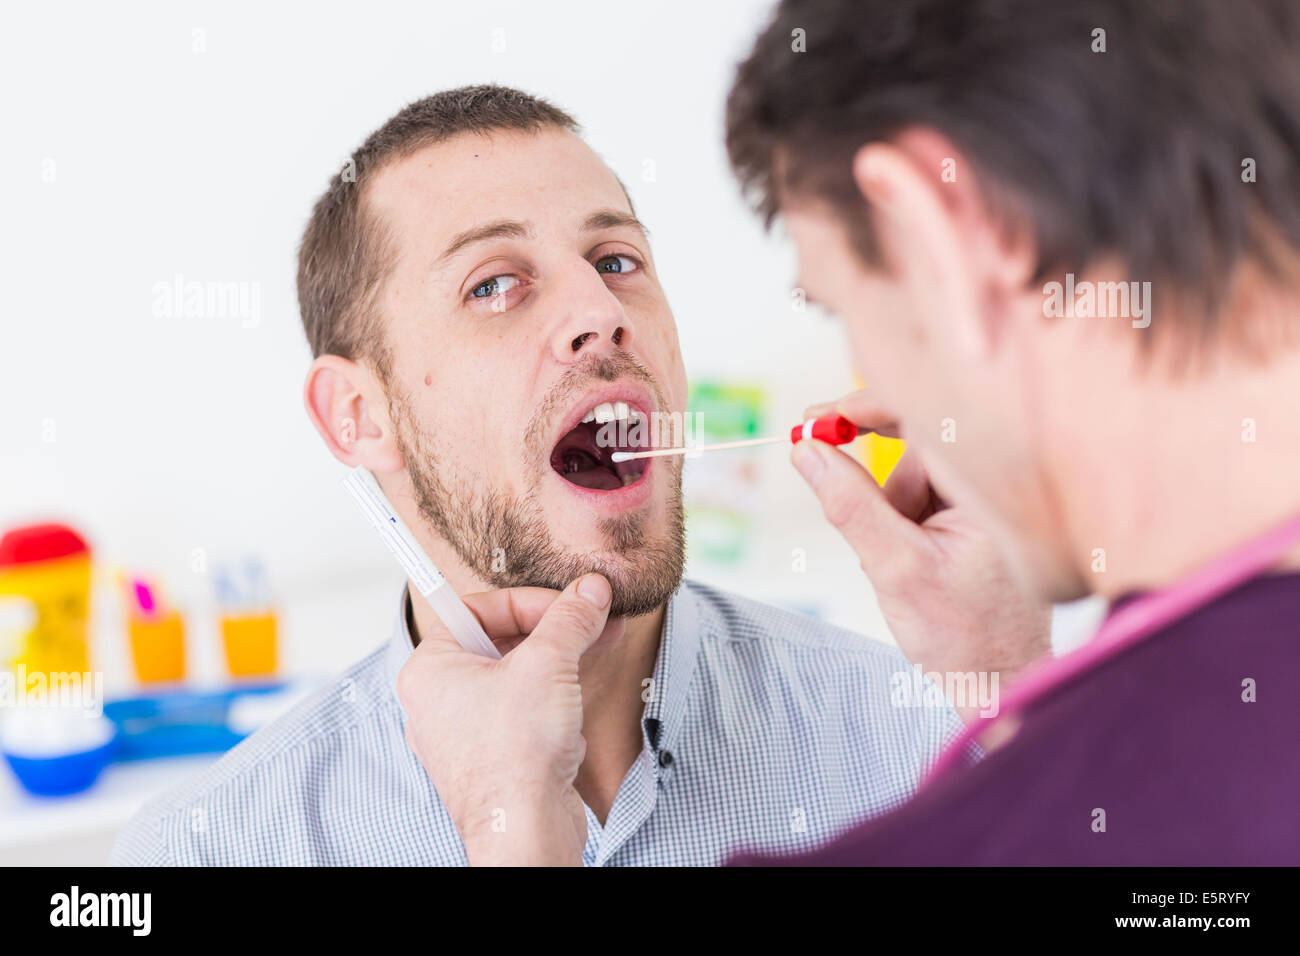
<point x="579" y="468"/>
<point x="578" y="458"/>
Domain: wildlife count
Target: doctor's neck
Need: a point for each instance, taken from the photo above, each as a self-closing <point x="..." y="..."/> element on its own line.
<point x="1181" y="464"/>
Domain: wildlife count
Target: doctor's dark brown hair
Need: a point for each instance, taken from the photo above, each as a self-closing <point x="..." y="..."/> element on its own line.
<point x="1138" y="151"/>
<point x="346" y="253"/>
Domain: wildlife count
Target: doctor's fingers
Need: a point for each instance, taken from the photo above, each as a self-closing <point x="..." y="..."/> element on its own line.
<point x="860" y="408"/>
<point x="858" y="508"/>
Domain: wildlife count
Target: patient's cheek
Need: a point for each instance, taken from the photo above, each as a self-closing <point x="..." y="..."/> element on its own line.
<point x="665" y="338"/>
<point x="661" y="347"/>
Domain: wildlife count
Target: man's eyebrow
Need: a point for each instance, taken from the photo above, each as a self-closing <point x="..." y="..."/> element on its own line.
<point x="611" y="219"/>
<point x="501" y="229"/>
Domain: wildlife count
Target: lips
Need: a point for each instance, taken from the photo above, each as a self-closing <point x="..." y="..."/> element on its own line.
<point x="605" y="424"/>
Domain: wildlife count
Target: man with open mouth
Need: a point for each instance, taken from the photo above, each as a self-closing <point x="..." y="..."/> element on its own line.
<point x="488" y="328"/>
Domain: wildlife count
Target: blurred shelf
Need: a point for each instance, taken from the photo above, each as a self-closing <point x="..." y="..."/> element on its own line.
<point x="323" y="631"/>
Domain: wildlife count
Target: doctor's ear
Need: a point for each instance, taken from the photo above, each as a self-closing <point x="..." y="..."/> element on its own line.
<point x="938" y="234"/>
<point x="348" y="406"/>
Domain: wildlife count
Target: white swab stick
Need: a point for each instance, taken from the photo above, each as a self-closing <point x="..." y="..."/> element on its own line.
<point x="686" y="450"/>
<point x="831" y="428"/>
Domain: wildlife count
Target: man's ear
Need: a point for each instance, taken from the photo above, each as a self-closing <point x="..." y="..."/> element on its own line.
<point x="348" y="406"/>
<point x="940" y="237"/>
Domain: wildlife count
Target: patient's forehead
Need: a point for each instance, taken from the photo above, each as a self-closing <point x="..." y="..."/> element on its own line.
<point x="551" y="178"/>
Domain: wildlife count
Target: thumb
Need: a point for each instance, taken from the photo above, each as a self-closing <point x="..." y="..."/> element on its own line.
<point x="855" y="505"/>
<point x="574" y="620"/>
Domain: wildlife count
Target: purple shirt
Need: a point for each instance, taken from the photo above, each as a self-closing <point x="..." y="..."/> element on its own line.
<point x="1159" y="737"/>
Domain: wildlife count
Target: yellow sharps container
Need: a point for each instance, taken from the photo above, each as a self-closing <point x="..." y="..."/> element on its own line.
<point x="48" y="565"/>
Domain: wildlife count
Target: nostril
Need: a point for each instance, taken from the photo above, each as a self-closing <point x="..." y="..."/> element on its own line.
<point x="581" y="340"/>
<point x="618" y="336"/>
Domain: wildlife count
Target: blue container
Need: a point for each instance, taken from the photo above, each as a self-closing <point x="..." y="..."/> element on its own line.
<point x="179" y="722"/>
<point x="58" y="776"/>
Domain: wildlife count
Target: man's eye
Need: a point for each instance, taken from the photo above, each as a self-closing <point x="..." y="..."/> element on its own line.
<point x="497" y="285"/>
<point x="615" y="264"/>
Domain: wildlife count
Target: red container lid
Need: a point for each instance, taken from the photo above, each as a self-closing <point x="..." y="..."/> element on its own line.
<point x="40" y="542"/>
<point x="831" y="428"/>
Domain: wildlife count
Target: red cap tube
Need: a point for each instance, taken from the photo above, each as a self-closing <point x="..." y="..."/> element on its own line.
<point x="832" y="429"/>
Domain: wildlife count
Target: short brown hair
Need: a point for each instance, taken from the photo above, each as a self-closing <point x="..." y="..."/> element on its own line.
<point x="345" y="254"/>
<point x="1137" y="151"/>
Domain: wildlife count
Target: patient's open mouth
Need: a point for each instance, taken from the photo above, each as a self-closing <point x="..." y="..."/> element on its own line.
<point x="581" y="456"/>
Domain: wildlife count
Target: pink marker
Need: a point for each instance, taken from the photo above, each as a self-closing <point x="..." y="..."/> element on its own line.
<point x="143" y="596"/>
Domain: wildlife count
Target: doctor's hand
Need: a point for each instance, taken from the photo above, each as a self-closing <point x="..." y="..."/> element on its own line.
<point x="502" y="739"/>
<point x="945" y="590"/>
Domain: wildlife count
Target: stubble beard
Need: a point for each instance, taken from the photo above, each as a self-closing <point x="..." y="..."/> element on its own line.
<point x="506" y="541"/>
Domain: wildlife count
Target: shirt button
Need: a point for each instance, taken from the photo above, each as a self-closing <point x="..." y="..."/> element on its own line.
<point x="665" y="758"/>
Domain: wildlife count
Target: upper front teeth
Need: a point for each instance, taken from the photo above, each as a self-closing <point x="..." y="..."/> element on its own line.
<point x="610" y="411"/>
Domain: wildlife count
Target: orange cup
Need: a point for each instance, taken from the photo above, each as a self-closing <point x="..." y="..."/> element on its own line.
<point x="157" y="646"/>
<point x="250" y="644"/>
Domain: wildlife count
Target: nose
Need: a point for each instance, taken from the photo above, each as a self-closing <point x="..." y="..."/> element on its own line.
<point x="592" y="322"/>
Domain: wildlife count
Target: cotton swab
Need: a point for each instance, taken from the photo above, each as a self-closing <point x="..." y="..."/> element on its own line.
<point x="832" y="429"/>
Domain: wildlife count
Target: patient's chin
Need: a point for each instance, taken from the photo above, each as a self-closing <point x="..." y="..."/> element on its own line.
<point x="641" y="578"/>
<point x="640" y="597"/>
<point x="644" y="590"/>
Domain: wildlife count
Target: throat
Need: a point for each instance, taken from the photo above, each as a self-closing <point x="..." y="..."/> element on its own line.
<point x="583" y="456"/>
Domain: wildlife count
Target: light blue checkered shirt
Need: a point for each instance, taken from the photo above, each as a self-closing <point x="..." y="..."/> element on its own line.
<point x="766" y="730"/>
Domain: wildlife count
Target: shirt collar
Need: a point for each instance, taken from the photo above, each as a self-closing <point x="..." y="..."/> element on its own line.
<point x="399" y="645"/>
<point x="665" y="710"/>
<point x="674" y="671"/>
